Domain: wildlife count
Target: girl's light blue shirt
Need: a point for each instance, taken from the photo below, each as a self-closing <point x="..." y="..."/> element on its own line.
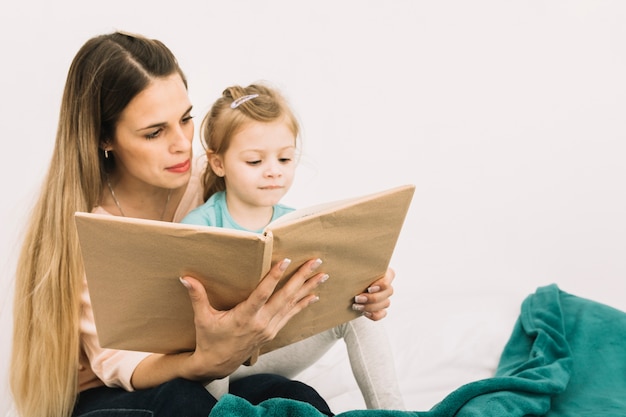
<point x="214" y="212"/>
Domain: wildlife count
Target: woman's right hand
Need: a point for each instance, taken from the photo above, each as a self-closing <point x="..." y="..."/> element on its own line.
<point x="226" y="339"/>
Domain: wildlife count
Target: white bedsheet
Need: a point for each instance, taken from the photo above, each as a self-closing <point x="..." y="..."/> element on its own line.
<point x="442" y="340"/>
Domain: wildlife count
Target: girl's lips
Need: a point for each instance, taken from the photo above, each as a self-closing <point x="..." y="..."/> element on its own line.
<point x="180" y="168"/>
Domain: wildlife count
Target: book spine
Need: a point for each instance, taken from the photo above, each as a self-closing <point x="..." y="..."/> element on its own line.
<point x="268" y="248"/>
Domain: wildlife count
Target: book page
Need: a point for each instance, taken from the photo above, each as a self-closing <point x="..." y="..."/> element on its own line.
<point x="355" y="238"/>
<point x="319" y="209"/>
<point x="133" y="267"/>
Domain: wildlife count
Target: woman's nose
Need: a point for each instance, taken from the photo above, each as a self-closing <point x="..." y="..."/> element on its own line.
<point x="181" y="141"/>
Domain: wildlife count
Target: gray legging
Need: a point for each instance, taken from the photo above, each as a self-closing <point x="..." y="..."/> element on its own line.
<point x="368" y="350"/>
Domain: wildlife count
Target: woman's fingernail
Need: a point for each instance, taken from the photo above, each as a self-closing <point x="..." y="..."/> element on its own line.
<point x="316" y="264"/>
<point x="314" y="300"/>
<point x="360" y="299"/>
<point x="324" y="278"/>
<point x="358" y="307"/>
<point x="367" y="314"/>
<point x="373" y="289"/>
<point x="285" y="264"/>
<point x="184" y="282"/>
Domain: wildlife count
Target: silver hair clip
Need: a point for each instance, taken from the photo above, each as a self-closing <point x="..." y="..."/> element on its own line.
<point x="242" y="100"/>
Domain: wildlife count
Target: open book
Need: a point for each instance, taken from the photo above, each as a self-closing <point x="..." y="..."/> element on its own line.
<point x="133" y="267"/>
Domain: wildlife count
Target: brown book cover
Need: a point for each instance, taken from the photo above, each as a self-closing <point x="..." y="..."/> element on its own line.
<point x="133" y="265"/>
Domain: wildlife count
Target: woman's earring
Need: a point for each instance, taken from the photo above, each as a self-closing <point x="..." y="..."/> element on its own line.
<point x="106" y="154"/>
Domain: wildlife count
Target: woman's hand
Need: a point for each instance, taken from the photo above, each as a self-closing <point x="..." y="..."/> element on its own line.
<point x="226" y="339"/>
<point x="375" y="301"/>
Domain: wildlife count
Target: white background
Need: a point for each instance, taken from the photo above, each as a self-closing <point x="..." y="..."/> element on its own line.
<point x="508" y="116"/>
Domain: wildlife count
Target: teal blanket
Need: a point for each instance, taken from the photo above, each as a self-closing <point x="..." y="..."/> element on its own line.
<point x="565" y="357"/>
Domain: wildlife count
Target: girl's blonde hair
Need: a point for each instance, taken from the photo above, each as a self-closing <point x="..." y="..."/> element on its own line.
<point x="107" y="72"/>
<point x="233" y="110"/>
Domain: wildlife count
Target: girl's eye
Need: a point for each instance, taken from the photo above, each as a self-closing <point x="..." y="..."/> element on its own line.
<point x="284" y="160"/>
<point x="257" y="162"/>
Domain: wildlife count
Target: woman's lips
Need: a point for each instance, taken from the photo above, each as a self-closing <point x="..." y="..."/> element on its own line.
<point x="180" y="168"/>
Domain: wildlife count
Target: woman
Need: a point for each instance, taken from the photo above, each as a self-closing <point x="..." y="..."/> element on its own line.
<point x="123" y="147"/>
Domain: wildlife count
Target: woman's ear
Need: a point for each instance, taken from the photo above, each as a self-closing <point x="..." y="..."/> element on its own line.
<point x="216" y="162"/>
<point x="106" y="148"/>
<point x="105" y="145"/>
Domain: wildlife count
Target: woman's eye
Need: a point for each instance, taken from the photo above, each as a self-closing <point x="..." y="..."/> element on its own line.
<point x="187" y="118"/>
<point x="154" y="134"/>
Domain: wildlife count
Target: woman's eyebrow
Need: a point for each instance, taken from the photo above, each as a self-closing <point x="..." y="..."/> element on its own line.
<point x="161" y="124"/>
<point x="152" y="126"/>
<point x="188" y="110"/>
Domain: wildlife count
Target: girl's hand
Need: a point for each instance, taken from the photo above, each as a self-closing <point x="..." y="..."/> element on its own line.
<point x="375" y="301"/>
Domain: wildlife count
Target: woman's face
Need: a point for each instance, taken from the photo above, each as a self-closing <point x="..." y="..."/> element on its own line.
<point x="152" y="143"/>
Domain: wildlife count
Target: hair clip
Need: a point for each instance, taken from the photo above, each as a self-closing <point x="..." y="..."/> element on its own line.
<point x="241" y="100"/>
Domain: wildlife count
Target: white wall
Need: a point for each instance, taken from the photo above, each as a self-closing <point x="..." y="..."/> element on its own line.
<point x="507" y="116"/>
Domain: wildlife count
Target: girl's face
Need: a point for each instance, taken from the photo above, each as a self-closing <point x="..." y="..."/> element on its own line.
<point x="259" y="165"/>
<point x="152" y="143"/>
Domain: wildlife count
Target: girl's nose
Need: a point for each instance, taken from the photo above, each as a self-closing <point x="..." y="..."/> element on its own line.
<point x="273" y="170"/>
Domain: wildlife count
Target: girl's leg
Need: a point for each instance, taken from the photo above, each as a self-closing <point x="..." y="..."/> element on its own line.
<point x="260" y="387"/>
<point x="174" y="398"/>
<point x="372" y="363"/>
<point x="292" y="359"/>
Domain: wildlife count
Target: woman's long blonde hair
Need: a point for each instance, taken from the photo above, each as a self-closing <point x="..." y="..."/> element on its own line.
<point x="107" y="72"/>
<point x="233" y="110"/>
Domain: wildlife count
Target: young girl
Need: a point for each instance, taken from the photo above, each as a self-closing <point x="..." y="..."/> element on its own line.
<point x="250" y="139"/>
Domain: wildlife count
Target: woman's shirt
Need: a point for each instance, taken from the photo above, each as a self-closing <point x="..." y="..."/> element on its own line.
<point x="99" y="366"/>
